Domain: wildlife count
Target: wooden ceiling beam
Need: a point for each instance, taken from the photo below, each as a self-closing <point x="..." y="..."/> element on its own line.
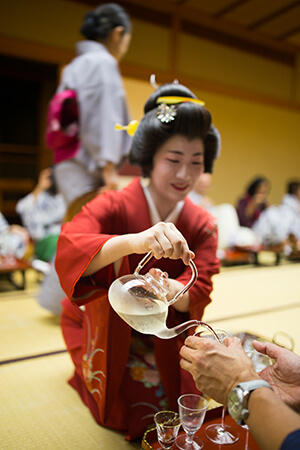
<point x="236" y="4"/>
<point x="274" y="15"/>
<point x="221" y="31"/>
<point x="237" y="34"/>
<point x="201" y="84"/>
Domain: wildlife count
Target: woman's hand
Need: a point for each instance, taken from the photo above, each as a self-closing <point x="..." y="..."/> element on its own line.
<point x="164" y="240"/>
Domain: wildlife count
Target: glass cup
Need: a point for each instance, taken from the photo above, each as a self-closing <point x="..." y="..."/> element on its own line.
<point x="167" y="426"/>
<point x="219" y="433"/>
<point x="192" y="410"/>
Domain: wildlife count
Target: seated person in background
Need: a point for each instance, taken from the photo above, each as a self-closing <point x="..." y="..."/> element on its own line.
<point x="290" y="207"/>
<point x="292" y="197"/>
<point x="217" y="370"/>
<point x="230" y="232"/>
<point x="199" y="195"/>
<point x="281" y="224"/>
<point x="42" y="212"/>
<point x="14" y="239"/>
<point x="50" y="294"/>
<point x="251" y="205"/>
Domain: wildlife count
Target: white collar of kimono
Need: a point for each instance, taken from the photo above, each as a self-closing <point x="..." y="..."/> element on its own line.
<point x="154" y="214"/>
<point x="89" y="47"/>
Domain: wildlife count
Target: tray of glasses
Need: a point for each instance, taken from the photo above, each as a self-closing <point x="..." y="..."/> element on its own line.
<point x="150" y="442"/>
<point x="214" y="412"/>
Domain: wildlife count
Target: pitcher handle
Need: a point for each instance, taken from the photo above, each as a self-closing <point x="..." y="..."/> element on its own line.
<point x="143" y="262"/>
<point x="185" y="288"/>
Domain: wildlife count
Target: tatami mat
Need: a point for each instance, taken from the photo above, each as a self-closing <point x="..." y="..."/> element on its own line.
<point x="27" y="329"/>
<point x="243" y="291"/>
<point x="266" y="325"/>
<point x="39" y="410"/>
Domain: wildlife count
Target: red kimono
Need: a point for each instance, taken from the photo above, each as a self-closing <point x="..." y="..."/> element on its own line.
<point x="104" y="349"/>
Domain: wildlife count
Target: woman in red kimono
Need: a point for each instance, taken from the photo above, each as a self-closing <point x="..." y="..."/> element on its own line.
<point x="123" y="376"/>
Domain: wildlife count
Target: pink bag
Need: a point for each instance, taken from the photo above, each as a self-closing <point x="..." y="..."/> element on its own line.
<point x="62" y="132"/>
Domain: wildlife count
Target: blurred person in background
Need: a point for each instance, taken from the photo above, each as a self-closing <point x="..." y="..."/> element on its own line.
<point x="14" y="239"/>
<point x="253" y="202"/>
<point x="281" y="224"/>
<point x="95" y="77"/>
<point x="42" y="212"/>
<point x="230" y="233"/>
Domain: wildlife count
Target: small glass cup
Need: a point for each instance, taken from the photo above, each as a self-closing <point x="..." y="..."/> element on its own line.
<point x="167" y="425"/>
<point x="192" y="410"/>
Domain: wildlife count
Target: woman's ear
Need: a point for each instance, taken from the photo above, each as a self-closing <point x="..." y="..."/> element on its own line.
<point x="117" y="34"/>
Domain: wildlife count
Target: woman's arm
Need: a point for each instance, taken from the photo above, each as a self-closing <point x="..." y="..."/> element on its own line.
<point x="163" y="239"/>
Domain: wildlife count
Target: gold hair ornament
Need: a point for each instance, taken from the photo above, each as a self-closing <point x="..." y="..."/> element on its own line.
<point x="166" y="113"/>
<point x="172" y="100"/>
<point x="130" y="128"/>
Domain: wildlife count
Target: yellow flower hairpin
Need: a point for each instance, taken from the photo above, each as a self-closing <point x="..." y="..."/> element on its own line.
<point x="130" y="128"/>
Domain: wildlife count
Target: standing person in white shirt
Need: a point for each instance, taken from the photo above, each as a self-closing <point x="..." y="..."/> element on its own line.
<point x="95" y="76"/>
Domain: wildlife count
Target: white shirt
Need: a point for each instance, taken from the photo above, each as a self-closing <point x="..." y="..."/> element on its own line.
<point x="42" y="215"/>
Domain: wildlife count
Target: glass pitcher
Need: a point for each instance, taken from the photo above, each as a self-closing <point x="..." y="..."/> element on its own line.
<point x="141" y="301"/>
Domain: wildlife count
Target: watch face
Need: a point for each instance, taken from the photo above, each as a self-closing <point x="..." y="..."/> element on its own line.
<point x="235" y="402"/>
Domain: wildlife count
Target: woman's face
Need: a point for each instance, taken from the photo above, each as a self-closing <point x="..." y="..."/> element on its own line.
<point x="262" y="190"/>
<point x="177" y="165"/>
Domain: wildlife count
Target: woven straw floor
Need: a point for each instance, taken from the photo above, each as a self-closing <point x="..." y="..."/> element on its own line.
<point x="260" y="300"/>
<point x="39" y="410"/>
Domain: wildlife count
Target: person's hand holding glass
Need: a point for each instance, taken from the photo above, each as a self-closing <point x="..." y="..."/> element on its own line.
<point x="219" y="433"/>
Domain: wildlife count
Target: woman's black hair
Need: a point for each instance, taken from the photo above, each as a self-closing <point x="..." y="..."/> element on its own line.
<point x="212" y="148"/>
<point x="191" y="121"/>
<point x="100" y="22"/>
<point x="254" y="185"/>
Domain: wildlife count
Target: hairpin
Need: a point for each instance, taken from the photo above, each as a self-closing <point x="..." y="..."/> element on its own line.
<point x="166" y="113"/>
<point x="153" y="81"/>
<point x="130" y="128"/>
<point x="172" y="100"/>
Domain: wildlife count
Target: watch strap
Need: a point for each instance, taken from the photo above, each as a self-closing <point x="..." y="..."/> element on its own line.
<point x="254" y="384"/>
<point x="246" y="388"/>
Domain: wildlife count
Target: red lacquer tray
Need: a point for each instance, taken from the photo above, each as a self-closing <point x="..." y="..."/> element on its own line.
<point x="212" y="416"/>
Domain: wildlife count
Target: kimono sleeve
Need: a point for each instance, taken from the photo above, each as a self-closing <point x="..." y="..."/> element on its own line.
<point x="80" y="240"/>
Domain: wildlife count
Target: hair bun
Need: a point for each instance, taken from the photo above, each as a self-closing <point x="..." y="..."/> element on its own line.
<point x="89" y="26"/>
<point x="98" y="23"/>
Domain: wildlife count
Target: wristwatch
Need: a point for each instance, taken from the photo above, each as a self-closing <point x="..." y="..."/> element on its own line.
<point x="239" y="397"/>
